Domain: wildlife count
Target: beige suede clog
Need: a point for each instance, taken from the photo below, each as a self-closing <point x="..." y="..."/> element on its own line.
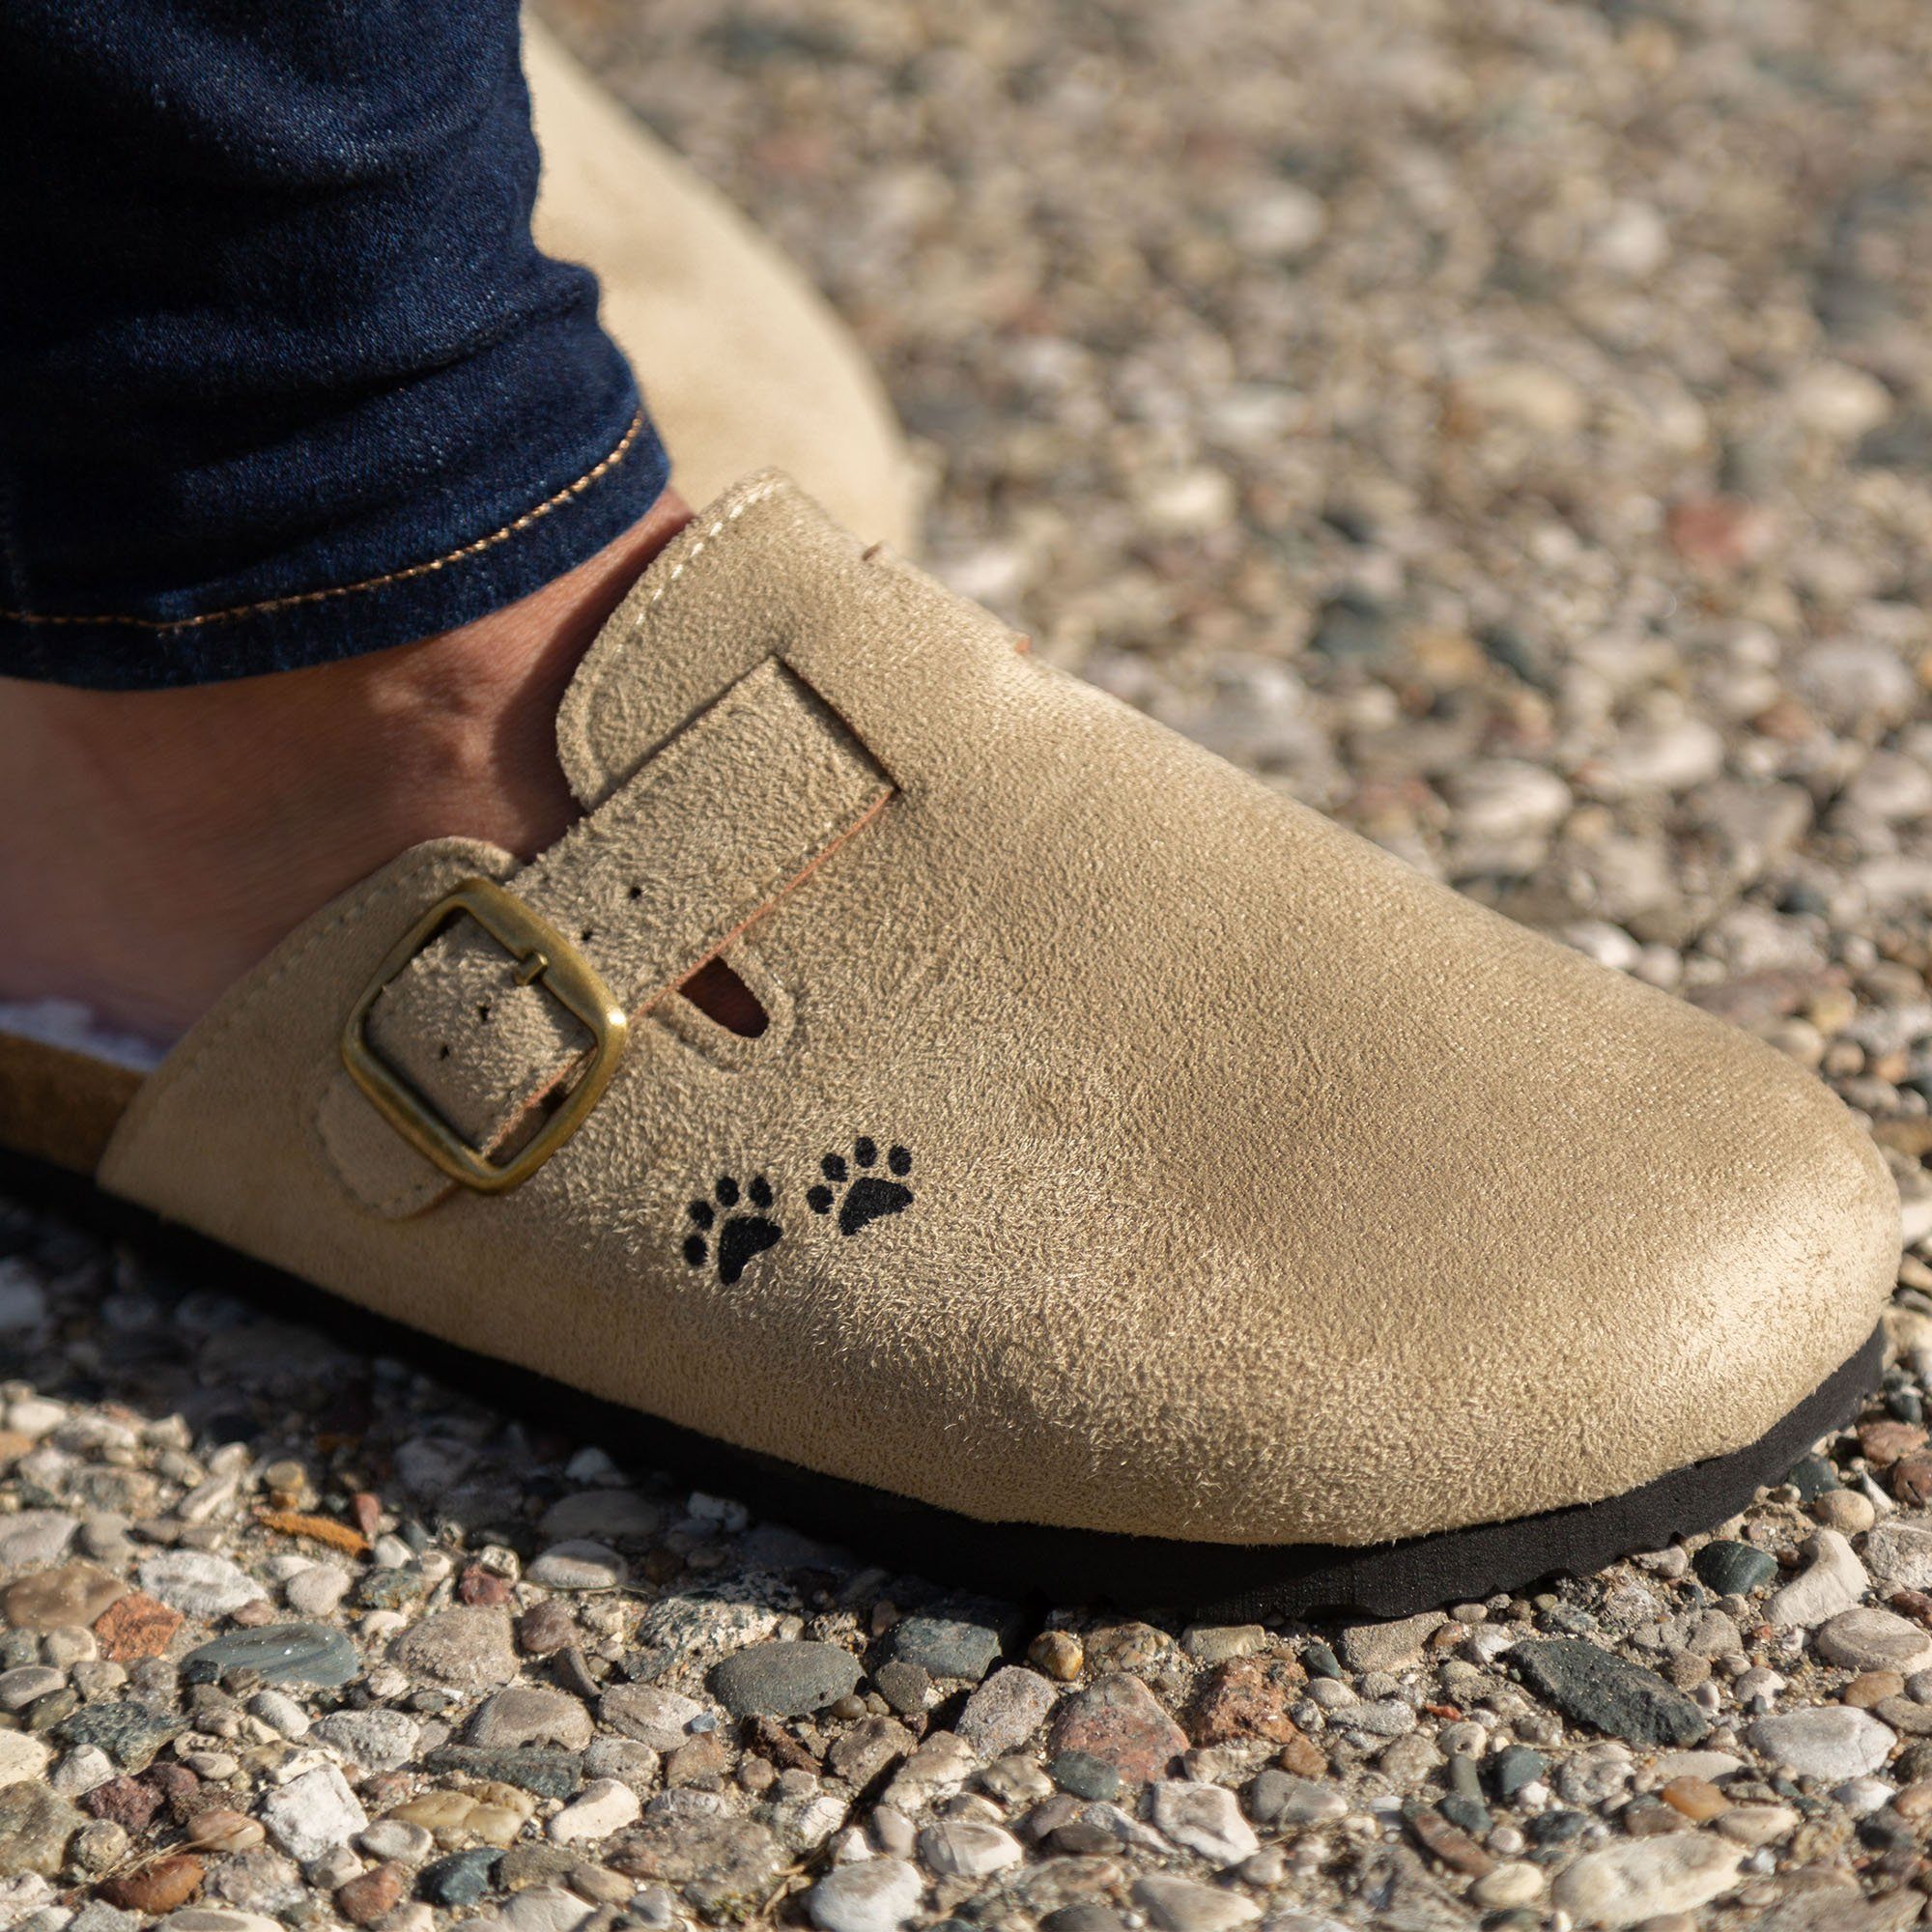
<point x="1121" y="1175"/>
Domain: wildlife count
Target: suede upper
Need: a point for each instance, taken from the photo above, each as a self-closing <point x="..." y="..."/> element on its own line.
<point x="1128" y="1147"/>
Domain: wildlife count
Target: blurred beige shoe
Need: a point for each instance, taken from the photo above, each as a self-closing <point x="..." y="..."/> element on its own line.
<point x="742" y="361"/>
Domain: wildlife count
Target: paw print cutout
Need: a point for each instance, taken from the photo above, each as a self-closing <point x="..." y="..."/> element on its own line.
<point x="744" y="1230"/>
<point x="867" y="1196"/>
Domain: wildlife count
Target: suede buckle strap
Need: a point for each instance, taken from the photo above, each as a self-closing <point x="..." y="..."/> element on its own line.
<point x="704" y="837"/>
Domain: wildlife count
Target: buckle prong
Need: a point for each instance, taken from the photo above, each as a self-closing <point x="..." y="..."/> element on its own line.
<point x="541" y="953"/>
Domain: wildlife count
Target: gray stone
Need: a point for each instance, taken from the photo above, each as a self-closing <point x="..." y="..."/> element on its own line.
<point x="31" y="1537"/>
<point x="578" y="1565"/>
<point x="530" y="1714"/>
<point x="873" y="1896"/>
<point x="35" y="1827"/>
<point x="725" y="1865"/>
<point x="466" y="1647"/>
<point x="660" y="1718"/>
<point x="1830" y="1742"/>
<point x="1180" y="1905"/>
<point x="1900" y="1555"/>
<point x="279" y="1654"/>
<point x="785" y="1679"/>
<point x="1597" y="1688"/>
<point x="942" y="1646"/>
<point x="605" y="1516"/>
<point x="196" y="1583"/>
<point x="1389" y="1646"/>
<point x="129" y="1732"/>
<point x="1006" y="1711"/>
<point x="549" y="1773"/>
<point x="1277" y="1799"/>
<point x="312" y="1815"/>
<point x="1871" y="1639"/>
<point x="375" y="1740"/>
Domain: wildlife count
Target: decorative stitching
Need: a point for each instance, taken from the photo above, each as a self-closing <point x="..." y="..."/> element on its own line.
<point x="409" y="571"/>
<point x="601" y="673"/>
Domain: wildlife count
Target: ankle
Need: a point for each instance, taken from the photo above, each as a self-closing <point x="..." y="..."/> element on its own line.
<point x="161" y="843"/>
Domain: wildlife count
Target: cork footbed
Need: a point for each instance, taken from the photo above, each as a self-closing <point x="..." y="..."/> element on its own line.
<point x="58" y="1106"/>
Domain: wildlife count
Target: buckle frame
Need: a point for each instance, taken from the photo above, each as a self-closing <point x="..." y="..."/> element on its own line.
<point x="541" y="953"/>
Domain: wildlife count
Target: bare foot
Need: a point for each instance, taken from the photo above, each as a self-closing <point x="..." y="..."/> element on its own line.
<point x="159" y="843"/>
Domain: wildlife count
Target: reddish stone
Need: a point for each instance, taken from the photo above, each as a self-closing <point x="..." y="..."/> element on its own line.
<point x="372" y="1895"/>
<point x="1119" y="1720"/>
<point x="1885" y="1442"/>
<point x="179" y="1787"/>
<point x="1302" y="1757"/>
<point x="1911" y="1480"/>
<point x="477" y="1585"/>
<point x="128" y="1801"/>
<point x="1246" y="1697"/>
<point x="368" y="1510"/>
<point x="1441" y="1839"/>
<point x="1718" y="532"/>
<point x="137" y="1626"/>
<point x="157" y="1887"/>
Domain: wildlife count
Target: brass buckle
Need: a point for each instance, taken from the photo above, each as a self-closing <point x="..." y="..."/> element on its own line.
<point x="542" y="953"/>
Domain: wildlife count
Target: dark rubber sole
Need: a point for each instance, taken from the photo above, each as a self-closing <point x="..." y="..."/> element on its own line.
<point x="1211" y="1581"/>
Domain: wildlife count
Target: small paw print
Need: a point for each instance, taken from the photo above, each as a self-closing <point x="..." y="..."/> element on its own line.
<point x="741" y="1235"/>
<point x="869" y="1196"/>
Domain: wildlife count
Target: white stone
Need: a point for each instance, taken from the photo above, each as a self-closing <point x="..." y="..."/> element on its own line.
<point x="1516" y="1882"/>
<point x="1757" y="1825"/>
<point x="34" y="1416"/>
<point x="280" y="1713"/>
<point x="1870" y="1639"/>
<point x="1900" y="1555"/>
<point x="1627" y="1883"/>
<point x="1828" y="1741"/>
<point x="959" y="1848"/>
<point x="1528" y="395"/>
<point x="605" y="1806"/>
<point x="196" y="1583"/>
<point x="1862" y="1796"/>
<point x="313" y="1813"/>
<point x="1833" y="1580"/>
<point x="23" y="1757"/>
<point x="872" y="1895"/>
<point x="79" y="1773"/>
<point x="1203" y="1818"/>
<point x="30" y="1537"/>
<point x="1391" y="1647"/>
<point x="542" y="1908"/>
<point x="1837" y="400"/>
<point x="316" y="1590"/>
<point x="1180" y="1905"/>
<point x="395" y="1838"/>
<point x="580" y="1565"/>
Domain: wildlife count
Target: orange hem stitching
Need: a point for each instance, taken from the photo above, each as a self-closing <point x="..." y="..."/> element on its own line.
<point x="617" y="454"/>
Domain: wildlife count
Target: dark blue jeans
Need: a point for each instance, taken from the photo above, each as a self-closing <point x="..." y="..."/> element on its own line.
<point x="283" y="376"/>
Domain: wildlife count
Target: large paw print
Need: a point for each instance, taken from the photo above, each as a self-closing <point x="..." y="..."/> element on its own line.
<point x="866" y="1197"/>
<point x="740" y="1236"/>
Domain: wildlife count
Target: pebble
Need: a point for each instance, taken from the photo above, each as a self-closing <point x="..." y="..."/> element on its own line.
<point x="957" y="1848"/>
<point x="1004" y="1711"/>
<point x="35" y="1827"/>
<point x="312" y="1815"/>
<point x="603" y="1516"/>
<point x="1507" y="1885"/>
<point x="1118" y="1721"/>
<point x="1389" y="1646"/>
<point x="371" y="1895"/>
<point x="311" y="1653"/>
<point x="74" y="1594"/>
<point x="374" y="1740"/>
<point x="1628" y="1883"/>
<point x="578" y="1565"/>
<point x="135" y="1627"/>
<point x="157" y="1888"/>
<point x="460" y="1879"/>
<point x="32" y="1537"/>
<point x="606" y="1807"/>
<point x="1205" y="1819"/>
<point x="1900" y="1555"/>
<point x="531" y="1713"/>
<point x="127" y="1730"/>
<point x="1869" y="1639"/>
<point x="873" y="1896"/>
<point x="1597" y="1688"/>
<point x="23" y="1757"/>
<point x="1833" y="1580"/>
<point x="1829" y="1743"/>
<point x="1180" y="1905"/>
<point x="197" y="1583"/>
<point x="942" y="1646"/>
<point x="1734" y="1569"/>
<point x="785" y="1679"/>
<point x="466" y="1647"/>
<point x="658" y="1717"/>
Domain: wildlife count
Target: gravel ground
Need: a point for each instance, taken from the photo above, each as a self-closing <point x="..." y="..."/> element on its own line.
<point x="1507" y="426"/>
